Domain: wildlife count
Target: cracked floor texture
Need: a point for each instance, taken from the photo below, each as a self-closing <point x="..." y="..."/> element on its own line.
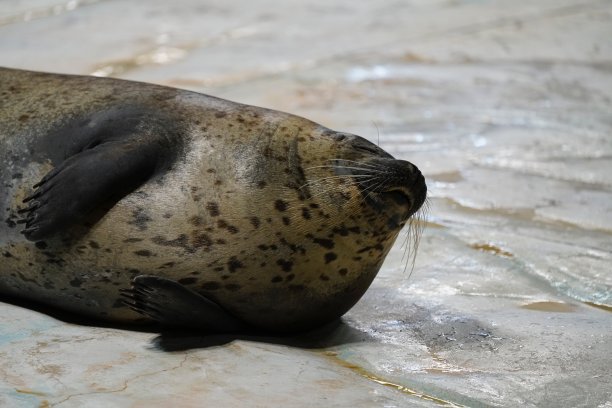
<point x="504" y="105"/>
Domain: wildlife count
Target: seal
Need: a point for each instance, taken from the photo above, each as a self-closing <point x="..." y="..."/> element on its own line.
<point x="127" y="202"/>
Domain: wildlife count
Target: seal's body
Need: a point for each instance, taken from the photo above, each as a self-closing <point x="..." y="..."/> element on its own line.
<point x="214" y="211"/>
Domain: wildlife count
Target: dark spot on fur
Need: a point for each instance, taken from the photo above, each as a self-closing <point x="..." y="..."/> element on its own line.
<point x="378" y="247"/>
<point x="201" y="241"/>
<point x="290" y="277"/>
<point x="220" y="114"/>
<point x="342" y="230"/>
<point x="276" y="279"/>
<point x="41" y="244"/>
<point x="323" y="277"/>
<point x="255" y="222"/>
<point x="286" y="220"/>
<point x="166" y="265"/>
<point x="230" y="228"/>
<point x="143" y="252"/>
<point x="94" y="244"/>
<point x="263" y="247"/>
<point x="140" y="219"/>
<point x="7" y="254"/>
<point x="221" y="241"/>
<point x="343" y="271"/>
<point x="211" y="171"/>
<point x="211" y="285"/>
<point x="313" y="205"/>
<point x="219" y="268"/>
<point x="213" y="208"/>
<point x="59" y="262"/>
<point x="330" y="256"/>
<point x="294" y="248"/>
<point x="232" y="287"/>
<point x="325" y="243"/>
<point x="167" y="215"/>
<point x="76" y="283"/>
<point x="306" y="213"/>
<point x="286" y="266"/>
<point x="234" y="264"/>
<point x="196" y="221"/>
<point x="24" y="118"/>
<point x="187" y="281"/>
<point x="180" y="241"/>
<point x="261" y="184"/>
<point x="128" y="240"/>
<point x="280" y="205"/>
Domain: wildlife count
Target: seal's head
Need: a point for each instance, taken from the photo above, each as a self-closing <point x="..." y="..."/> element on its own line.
<point x="364" y="180"/>
<point x="346" y="203"/>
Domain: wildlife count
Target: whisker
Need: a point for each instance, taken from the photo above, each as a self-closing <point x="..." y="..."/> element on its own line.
<point x="359" y="163"/>
<point x="371" y="170"/>
<point x="339" y="176"/>
<point x="416" y="227"/>
<point x="356" y="162"/>
<point x="377" y="133"/>
<point x="372" y="189"/>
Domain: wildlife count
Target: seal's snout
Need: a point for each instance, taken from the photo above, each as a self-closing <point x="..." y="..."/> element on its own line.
<point x="396" y="182"/>
<point x="406" y="185"/>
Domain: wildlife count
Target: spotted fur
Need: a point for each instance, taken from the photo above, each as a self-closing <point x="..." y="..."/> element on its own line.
<point x="281" y="221"/>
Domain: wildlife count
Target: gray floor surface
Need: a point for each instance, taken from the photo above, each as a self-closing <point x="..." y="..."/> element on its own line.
<point x="505" y="106"/>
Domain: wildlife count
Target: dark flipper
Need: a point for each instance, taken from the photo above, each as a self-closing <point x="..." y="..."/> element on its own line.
<point x="107" y="157"/>
<point x="172" y="304"/>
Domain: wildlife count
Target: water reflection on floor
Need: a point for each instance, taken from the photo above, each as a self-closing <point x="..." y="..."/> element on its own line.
<point x="505" y="107"/>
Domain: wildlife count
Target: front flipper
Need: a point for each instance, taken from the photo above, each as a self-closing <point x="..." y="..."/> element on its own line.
<point x="172" y="304"/>
<point x="89" y="180"/>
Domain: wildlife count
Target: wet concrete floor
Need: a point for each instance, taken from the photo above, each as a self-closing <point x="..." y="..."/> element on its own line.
<point x="505" y="106"/>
